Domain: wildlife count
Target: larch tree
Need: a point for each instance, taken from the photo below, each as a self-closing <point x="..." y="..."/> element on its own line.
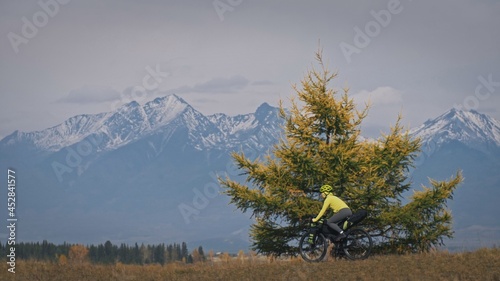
<point x="78" y="254"/>
<point x="322" y="144"/>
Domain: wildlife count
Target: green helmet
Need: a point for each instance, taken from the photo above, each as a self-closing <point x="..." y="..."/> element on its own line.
<point x="326" y="189"/>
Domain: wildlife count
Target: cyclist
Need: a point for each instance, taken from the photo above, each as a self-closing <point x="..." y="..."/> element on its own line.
<point x="339" y="207"/>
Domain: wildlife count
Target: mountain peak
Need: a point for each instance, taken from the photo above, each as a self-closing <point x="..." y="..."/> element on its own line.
<point x="471" y="128"/>
<point x="131" y="104"/>
<point x="164" y="109"/>
<point x="264" y="111"/>
<point x="264" y="107"/>
<point x="162" y="116"/>
<point x="173" y="98"/>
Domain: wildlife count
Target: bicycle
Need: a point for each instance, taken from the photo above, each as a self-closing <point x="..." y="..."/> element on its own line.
<point x="356" y="245"/>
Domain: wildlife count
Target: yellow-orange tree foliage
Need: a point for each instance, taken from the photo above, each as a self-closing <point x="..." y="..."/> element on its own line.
<point x="322" y="144"/>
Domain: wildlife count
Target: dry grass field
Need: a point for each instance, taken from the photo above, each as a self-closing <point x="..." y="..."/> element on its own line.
<point x="483" y="264"/>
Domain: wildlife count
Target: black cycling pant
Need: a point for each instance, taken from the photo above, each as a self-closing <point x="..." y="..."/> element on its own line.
<point x="340" y="215"/>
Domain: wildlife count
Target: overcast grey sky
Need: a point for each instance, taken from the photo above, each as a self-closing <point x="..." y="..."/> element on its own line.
<point x="60" y="58"/>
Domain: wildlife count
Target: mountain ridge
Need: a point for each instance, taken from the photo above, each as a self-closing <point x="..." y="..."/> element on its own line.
<point x="160" y="162"/>
<point x="476" y="130"/>
<point x="131" y="121"/>
<point x="469" y="127"/>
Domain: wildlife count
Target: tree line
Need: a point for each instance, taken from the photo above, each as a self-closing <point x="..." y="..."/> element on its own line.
<point x="106" y="253"/>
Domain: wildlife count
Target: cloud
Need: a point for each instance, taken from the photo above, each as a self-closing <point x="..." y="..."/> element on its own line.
<point x="215" y="85"/>
<point x="385" y="105"/>
<point x="262" y="83"/>
<point x="378" y="97"/>
<point x="90" y="94"/>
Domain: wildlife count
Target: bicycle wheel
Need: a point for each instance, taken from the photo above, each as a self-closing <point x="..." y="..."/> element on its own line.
<point x="313" y="252"/>
<point x="358" y="244"/>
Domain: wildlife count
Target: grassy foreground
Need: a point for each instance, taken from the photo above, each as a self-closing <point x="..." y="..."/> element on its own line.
<point x="483" y="264"/>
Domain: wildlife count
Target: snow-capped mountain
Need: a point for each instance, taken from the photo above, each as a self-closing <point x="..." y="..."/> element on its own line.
<point x="153" y="161"/>
<point x="259" y="130"/>
<point x="116" y="128"/>
<point x="132" y="121"/>
<point x="475" y="130"/>
<point x="148" y="173"/>
<point x="465" y="141"/>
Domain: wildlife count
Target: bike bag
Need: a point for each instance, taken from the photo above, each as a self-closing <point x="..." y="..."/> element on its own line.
<point x="355" y="218"/>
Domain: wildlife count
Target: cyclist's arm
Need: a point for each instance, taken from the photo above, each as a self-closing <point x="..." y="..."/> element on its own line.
<point x="323" y="210"/>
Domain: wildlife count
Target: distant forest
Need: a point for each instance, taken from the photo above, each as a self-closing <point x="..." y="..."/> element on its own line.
<point x="106" y="253"/>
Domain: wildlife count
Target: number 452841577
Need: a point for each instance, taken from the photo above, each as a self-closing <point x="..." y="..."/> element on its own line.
<point x="11" y="195"/>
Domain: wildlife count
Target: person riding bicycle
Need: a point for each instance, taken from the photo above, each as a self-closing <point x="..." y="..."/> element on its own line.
<point x="339" y="207"/>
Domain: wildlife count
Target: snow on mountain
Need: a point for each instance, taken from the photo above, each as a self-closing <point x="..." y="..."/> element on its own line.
<point x="132" y="121"/>
<point x="52" y="139"/>
<point x="256" y="130"/>
<point x="164" y="154"/>
<point x="161" y="111"/>
<point x="113" y="129"/>
<point x="235" y="125"/>
<point x="231" y="125"/>
<point x="124" y="125"/>
<point x="476" y="130"/>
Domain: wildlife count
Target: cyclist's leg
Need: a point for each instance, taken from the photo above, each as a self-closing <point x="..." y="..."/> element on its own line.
<point x="340" y="215"/>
